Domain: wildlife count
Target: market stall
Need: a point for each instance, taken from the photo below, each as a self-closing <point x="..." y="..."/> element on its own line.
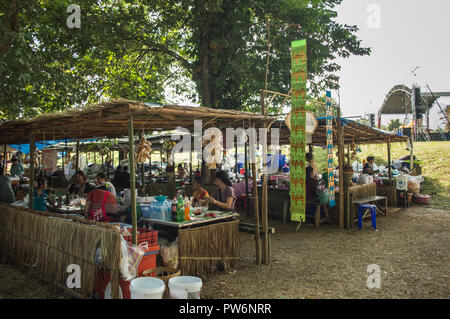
<point x="111" y="120"/>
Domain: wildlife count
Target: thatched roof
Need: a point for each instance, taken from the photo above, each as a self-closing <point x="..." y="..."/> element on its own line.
<point x="353" y="131"/>
<point x="111" y="120"/>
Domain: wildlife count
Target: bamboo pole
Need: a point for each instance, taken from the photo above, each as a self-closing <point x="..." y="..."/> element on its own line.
<point x="341" y="169"/>
<point x="264" y="203"/>
<point x="236" y="169"/>
<point x="246" y="176"/>
<point x="256" y="212"/>
<point x="4" y="161"/>
<point x="389" y="159"/>
<point x="142" y="172"/>
<point x="77" y="156"/>
<point x="31" y="187"/>
<point x="191" y="175"/>
<point x="132" y="179"/>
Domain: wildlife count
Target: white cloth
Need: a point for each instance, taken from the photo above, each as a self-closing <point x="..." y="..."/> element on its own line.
<point x="365" y="179"/>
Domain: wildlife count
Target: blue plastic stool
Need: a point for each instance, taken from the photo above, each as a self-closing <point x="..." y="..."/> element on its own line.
<point x="361" y="212"/>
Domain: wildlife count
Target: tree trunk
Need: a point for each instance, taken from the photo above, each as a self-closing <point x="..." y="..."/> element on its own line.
<point x="204" y="64"/>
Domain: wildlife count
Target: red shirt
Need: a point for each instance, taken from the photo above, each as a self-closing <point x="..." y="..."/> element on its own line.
<point x="96" y="196"/>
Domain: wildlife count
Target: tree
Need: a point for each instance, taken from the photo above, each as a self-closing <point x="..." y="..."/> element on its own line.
<point x="394" y="124"/>
<point x="137" y="48"/>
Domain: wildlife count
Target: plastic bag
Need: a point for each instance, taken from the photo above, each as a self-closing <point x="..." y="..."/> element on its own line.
<point x="169" y="254"/>
<point x="131" y="257"/>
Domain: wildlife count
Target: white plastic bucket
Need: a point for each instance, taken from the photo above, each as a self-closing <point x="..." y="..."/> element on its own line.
<point x="147" y="288"/>
<point x="185" y="287"/>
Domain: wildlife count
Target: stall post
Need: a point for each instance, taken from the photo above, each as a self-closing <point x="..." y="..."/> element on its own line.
<point x="77" y="156"/>
<point x="236" y="169"/>
<point x="191" y="175"/>
<point x="31" y="186"/>
<point x="255" y="204"/>
<point x="264" y="212"/>
<point x="389" y="159"/>
<point x="4" y="160"/>
<point x="340" y="135"/>
<point x="132" y="179"/>
<point x="246" y="177"/>
<point x="142" y="172"/>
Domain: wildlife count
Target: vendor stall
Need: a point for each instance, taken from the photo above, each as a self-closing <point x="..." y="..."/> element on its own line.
<point x="204" y="246"/>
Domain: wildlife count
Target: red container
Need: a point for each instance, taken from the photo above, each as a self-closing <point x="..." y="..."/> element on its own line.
<point x="149" y="260"/>
<point x="144" y="236"/>
<point x="422" y="199"/>
<point x="104" y="278"/>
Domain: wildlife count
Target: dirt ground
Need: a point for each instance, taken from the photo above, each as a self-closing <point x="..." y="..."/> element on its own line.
<point x="411" y="247"/>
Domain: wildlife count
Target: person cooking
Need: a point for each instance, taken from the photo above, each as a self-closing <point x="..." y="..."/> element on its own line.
<point x="223" y="198"/>
<point x="200" y="194"/>
<point x="366" y="176"/>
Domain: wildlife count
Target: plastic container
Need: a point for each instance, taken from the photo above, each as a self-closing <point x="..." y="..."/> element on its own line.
<point x="401" y="182"/>
<point x="422" y="199"/>
<point x="161" y="198"/>
<point x="147" y="288"/>
<point x="145" y="235"/>
<point x="146" y="210"/>
<point x="185" y="287"/>
<point x="148" y="261"/>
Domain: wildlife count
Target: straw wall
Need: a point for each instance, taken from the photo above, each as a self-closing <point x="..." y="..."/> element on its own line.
<point x="48" y="245"/>
<point x="208" y="249"/>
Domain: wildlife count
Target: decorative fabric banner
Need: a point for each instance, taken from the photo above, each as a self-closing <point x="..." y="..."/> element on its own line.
<point x="330" y="150"/>
<point x="298" y="134"/>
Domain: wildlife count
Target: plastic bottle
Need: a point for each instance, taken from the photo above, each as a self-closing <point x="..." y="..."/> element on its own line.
<point x="180" y="209"/>
<point x="187" y="208"/>
<point x="174" y="209"/>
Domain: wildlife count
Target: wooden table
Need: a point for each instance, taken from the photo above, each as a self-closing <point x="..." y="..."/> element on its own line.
<point x="374" y="201"/>
<point x="191" y="223"/>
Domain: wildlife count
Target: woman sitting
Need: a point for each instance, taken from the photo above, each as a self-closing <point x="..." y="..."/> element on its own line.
<point x="223" y="198"/>
<point x="200" y="194"/>
<point x="80" y="186"/>
<point x="311" y="185"/>
<point x="99" y="204"/>
<point x="40" y="197"/>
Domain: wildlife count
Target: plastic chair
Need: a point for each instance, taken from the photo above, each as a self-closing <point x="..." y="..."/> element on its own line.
<point x="362" y="210"/>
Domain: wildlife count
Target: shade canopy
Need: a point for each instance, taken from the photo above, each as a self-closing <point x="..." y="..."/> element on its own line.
<point x="111" y="120"/>
<point x="353" y="132"/>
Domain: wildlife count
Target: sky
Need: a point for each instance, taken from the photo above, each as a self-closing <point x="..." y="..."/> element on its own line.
<point x="405" y="34"/>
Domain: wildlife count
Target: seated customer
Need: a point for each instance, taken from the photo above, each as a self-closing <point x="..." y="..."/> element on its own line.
<point x="6" y="191"/>
<point x="311" y="185"/>
<point x="80" y="186"/>
<point x="99" y="203"/>
<point x="200" y="194"/>
<point x="103" y="184"/>
<point x="40" y="197"/>
<point x="223" y="198"/>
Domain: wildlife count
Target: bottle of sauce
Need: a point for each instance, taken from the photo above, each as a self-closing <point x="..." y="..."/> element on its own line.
<point x="187" y="208"/>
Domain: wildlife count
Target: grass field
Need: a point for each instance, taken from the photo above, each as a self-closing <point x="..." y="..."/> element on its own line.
<point x="435" y="158"/>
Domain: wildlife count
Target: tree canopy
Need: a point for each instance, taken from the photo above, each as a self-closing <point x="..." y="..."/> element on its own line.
<point x="142" y="48"/>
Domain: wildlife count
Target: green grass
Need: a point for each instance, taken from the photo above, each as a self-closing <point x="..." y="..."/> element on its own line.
<point x="435" y="158"/>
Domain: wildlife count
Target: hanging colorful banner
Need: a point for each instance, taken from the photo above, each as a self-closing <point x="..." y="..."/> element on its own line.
<point x="298" y="133"/>
<point x="330" y="149"/>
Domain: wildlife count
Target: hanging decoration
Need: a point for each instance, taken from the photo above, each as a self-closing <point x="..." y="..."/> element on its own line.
<point x="330" y="150"/>
<point x="143" y="151"/>
<point x="298" y="133"/>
